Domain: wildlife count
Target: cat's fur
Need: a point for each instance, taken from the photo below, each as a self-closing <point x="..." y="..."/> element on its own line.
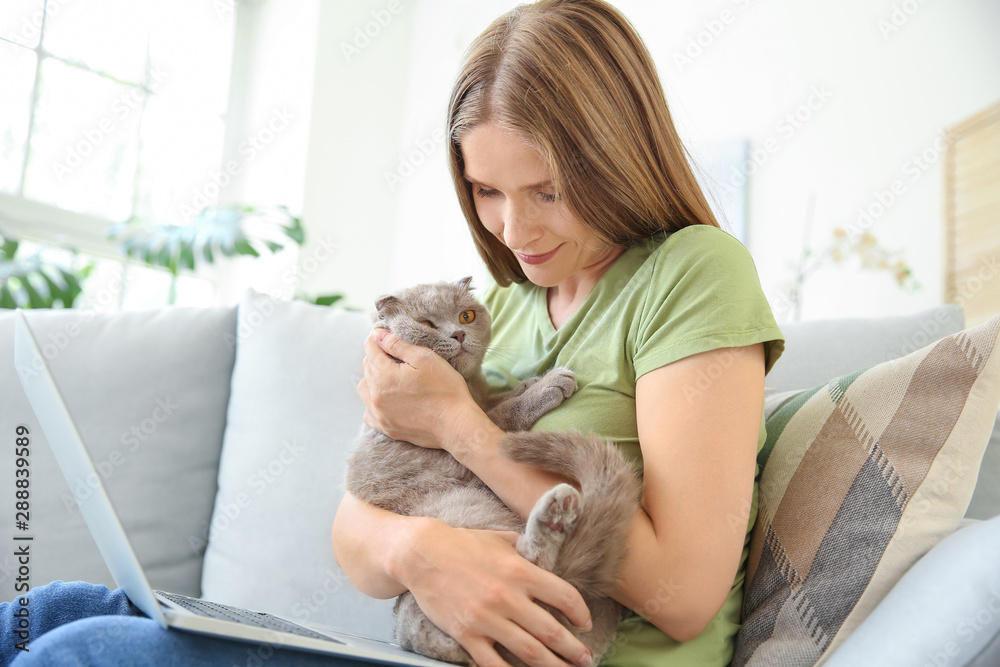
<point x="578" y="535"/>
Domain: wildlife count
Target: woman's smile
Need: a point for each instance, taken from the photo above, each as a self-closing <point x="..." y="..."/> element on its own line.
<point x="517" y="202"/>
<point x="538" y="259"/>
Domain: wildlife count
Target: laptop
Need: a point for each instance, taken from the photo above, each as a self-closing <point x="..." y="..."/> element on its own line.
<point x="170" y="610"/>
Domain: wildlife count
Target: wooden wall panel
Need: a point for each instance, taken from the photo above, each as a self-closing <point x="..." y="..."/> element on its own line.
<point x="972" y="216"/>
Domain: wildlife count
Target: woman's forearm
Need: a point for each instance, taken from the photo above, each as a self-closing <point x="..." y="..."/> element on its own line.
<point x="368" y="543"/>
<point x="476" y="445"/>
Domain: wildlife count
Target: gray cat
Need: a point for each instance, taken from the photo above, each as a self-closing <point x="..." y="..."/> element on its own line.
<point x="578" y="535"/>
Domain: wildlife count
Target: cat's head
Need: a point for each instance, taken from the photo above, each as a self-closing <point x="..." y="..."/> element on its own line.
<point x="444" y="317"/>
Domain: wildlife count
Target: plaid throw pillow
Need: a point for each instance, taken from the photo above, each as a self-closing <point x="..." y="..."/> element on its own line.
<point x="863" y="476"/>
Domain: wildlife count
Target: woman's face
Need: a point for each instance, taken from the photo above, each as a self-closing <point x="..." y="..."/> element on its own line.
<point x="516" y="202"/>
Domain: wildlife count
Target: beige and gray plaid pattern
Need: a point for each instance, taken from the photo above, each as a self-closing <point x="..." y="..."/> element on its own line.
<point x="864" y="476"/>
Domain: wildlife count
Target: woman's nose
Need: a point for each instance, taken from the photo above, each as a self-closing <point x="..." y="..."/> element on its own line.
<point x="519" y="228"/>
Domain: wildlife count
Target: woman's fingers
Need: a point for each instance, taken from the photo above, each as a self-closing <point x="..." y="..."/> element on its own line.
<point x="387" y="342"/>
<point x="544" y="641"/>
<point x="555" y="592"/>
<point x="476" y="587"/>
<point x="483" y="652"/>
<point x="527" y="630"/>
<point x="527" y="647"/>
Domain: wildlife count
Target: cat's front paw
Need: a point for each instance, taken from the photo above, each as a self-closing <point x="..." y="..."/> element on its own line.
<point x="523" y="386"/>
<point x="561" y="379"/>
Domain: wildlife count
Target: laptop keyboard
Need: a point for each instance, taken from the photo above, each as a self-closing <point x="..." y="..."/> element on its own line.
<point x="243" y="616"/>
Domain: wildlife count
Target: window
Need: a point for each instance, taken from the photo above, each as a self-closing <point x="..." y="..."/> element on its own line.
<point x="111" y="110"/>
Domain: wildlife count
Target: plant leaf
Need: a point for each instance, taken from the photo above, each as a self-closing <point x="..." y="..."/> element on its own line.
<point x="328" y="300"/>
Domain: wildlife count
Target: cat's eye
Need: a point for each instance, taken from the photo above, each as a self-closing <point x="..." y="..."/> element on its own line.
<point x="428" y="323"/>
<point x="467" y="317"/>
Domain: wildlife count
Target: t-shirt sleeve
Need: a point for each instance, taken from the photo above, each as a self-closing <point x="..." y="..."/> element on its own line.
<point x="704" y="294"/>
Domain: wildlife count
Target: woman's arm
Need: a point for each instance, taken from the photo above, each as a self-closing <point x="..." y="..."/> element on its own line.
<point x="698" y="437"/>
<point x="699" y="421"/>
<point x="699" y="447"/>
<point x="471" y="583"/>
<point x="366" y="543"/>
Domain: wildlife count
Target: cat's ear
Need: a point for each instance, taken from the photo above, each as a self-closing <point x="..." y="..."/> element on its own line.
<point x="465" y="282"/>
<point x="387" y="305"/>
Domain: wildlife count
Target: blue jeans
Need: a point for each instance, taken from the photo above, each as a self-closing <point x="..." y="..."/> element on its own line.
<point x="82" y="625"/>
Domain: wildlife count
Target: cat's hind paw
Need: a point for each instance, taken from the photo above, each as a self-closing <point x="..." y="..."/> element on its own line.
<point x="562" y="510"/>
<point x="549" y="523"/>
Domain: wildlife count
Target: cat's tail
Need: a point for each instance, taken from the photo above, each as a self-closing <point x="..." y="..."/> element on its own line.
<point x="610" y="488"/>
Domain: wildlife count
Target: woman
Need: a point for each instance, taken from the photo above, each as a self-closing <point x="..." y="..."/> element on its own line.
<point x="608" y="261"/>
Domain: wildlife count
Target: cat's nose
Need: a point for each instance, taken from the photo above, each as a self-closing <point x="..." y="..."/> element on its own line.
<point x="459" y="336"/>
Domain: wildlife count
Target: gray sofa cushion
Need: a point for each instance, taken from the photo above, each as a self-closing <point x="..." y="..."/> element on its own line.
<point x="293" y="418"/>
<point x="148" y="391"/>
<point x="986" y="498"/>
<point x="820" y="350"/>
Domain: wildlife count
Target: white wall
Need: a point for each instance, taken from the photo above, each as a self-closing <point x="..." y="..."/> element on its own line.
<point x="880" y="97"/>
<point x="357" y="117"/>
<point x="271" y="131"/>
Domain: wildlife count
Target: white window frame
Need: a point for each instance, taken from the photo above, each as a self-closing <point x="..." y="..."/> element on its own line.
<point x="43" y="223"/>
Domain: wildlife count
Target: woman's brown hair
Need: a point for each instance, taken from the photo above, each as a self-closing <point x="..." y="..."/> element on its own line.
<point x="575" y="79"/>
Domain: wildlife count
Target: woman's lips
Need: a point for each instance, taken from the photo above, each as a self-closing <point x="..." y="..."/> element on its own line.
<point x="538" y="259"/>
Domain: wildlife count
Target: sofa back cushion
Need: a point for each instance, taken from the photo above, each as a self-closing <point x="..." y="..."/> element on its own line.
<point x="148" y="391"/>
<point x="820" y="350"/>
<point x="293" y="419"/>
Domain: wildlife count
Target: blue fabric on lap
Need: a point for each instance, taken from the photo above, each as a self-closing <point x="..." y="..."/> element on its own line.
<point x="76" y="623"/>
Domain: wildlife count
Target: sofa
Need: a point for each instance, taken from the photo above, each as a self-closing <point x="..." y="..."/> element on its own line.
<point x="221" y="435"/>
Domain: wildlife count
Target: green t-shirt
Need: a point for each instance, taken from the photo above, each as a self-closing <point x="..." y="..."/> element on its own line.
<point x="663" y="299"/>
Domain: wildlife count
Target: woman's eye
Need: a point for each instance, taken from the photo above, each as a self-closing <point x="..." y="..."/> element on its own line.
<point x="428" y="323"/>
<point x="483" y="192"/>
<point x="467" y="317"/>
<point x="546" y="197"/>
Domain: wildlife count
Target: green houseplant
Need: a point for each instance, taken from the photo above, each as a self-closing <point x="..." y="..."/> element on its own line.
<point x="229" y="231"/>
<point x="31" y="281"/>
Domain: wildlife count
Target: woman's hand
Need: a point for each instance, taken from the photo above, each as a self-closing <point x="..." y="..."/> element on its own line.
<point x="422" y="400"/>
<point x="476" y="587"/>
